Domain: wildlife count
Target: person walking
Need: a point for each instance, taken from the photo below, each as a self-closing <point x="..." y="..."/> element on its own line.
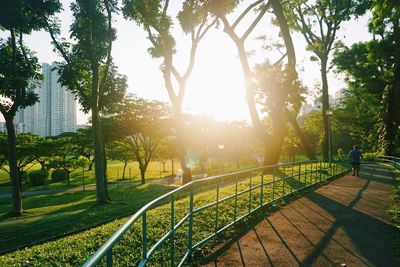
<point x="355" y="156"/>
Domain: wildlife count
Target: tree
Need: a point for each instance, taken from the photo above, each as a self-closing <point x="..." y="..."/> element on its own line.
<point x="19" y="66"/>
<point x="319" y="22"/>
<point x="65" y="157"/>
<point x="272" y="142"/>
<point x="166" y="150"/>
<point x="146" y="124"/>
<point x="88" y="71"/>
<point x="194" y="20"/>
<point x="385" y="25"/>
<point x="25" y="148"/>
<point x="120" y="151"/>
<point x="44" y="149"/>
<point x="84" y="145"/>
<point x="368" y="70"/>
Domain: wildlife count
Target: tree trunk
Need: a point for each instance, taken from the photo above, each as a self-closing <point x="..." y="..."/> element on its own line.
<point x="20" y="176"/>
<point x="186" y="171"/>
<point x="273" y="151"/>
<point x="283" y="25"/>
<point x="142" y="175"/>
<point x="182" y="149"/>
<point x="273" y="146"/>
<point x="99" y="156"/>
<point x="123" y="172"/>
<point x="325" y="106"/>
<point x="12" y="161"/>
<point x="172" y="167"/>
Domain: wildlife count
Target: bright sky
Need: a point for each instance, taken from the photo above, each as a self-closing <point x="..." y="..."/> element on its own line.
<point x="216" y="85"/>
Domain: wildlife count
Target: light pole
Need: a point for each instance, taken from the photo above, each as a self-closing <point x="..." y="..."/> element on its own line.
<point x="328" y="115"/>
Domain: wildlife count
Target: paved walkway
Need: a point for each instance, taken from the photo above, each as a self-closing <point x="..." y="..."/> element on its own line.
<point x="344" y="223"/>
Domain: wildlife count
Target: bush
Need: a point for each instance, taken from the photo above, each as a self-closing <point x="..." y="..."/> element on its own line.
<point x="370" y="156"/>
<point x="59" y="175"/>
<point x="38" y="177"/>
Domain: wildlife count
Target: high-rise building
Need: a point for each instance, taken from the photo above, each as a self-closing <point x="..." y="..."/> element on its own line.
<point x="55" y="113"/>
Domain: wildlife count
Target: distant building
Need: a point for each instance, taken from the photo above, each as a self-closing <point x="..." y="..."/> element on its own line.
<point x="317" y="105"/>
<point x="339" y="96"/>
<point x="54" y="114"/>
<point x="305" y="109"/>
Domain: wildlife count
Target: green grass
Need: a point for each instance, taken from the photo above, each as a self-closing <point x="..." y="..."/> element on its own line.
<point x="114" y="170"/>
<point x="75" y="249"/>
<point x="53" y="215"/>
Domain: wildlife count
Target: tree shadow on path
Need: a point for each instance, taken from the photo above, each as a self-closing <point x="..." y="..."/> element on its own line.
<point x="324" y="228"/>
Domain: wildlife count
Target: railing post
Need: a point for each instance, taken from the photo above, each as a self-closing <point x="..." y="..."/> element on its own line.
<point x="283" y="183"/>
<point x="144" y="233"/>
<point x="305" y="173"/>
<point x="236" y="191"/>
<point x="250" y="192"/>
<point x="109" y="258"/>
<point x="312" y="173"/>
<point x="273" y="185"/>
<point x="320" y="170"/>
<point x="172" y="243"/>
<point x="262" y="188"/>
<point x="291" y="177"/>
<point x="216" y="212"/>
<point x="299" y="176"/>
<point x="190" y="226"/>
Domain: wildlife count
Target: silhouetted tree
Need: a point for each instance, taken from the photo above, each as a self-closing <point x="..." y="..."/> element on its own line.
<point x="88" y="71"/>
<point x="19" y="67"/>
<point x="154" y="18"/>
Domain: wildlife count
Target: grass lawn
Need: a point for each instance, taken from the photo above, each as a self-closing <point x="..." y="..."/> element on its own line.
<point x="114" y="169"/>
<point x="73" y="250"/>
<point x="57" y="214"/>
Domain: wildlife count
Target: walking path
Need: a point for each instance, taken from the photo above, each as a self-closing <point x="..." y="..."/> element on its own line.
<point x="344" y="223"/>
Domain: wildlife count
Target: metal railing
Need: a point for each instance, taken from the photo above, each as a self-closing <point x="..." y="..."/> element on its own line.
<point x="395" y="161"/>
<point x="169" y="229"/>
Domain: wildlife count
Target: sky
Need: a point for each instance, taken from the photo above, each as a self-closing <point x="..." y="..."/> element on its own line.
<point x="216" y="85"/>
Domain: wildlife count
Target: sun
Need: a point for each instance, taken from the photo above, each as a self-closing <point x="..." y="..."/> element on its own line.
<point x="218" y="94"/>
<point x="216" y="86"/>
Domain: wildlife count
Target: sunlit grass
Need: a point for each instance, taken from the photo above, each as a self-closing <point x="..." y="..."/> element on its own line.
<point x="51" y="215"/>
<point x="81" y="177"/>
<point x="129" y="249"/>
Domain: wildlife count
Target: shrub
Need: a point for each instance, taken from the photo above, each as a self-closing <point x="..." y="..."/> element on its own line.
<point x="59" y="175"/>
<point x="38" y="177"/>
<point x="370" y="156"/>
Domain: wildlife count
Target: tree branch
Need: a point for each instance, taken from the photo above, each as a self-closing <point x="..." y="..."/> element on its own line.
<point x="108" y="62"/>
<point x="58" y="46"/>
<point x="150" y="35"/>
<point x="280" y="59"/>
<point x="255" y="22"/>
<point x="244" y="13"/>
<point x="166" y="7"/>
<point x="229" y="30"/>
<point x="206" y="29"/>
